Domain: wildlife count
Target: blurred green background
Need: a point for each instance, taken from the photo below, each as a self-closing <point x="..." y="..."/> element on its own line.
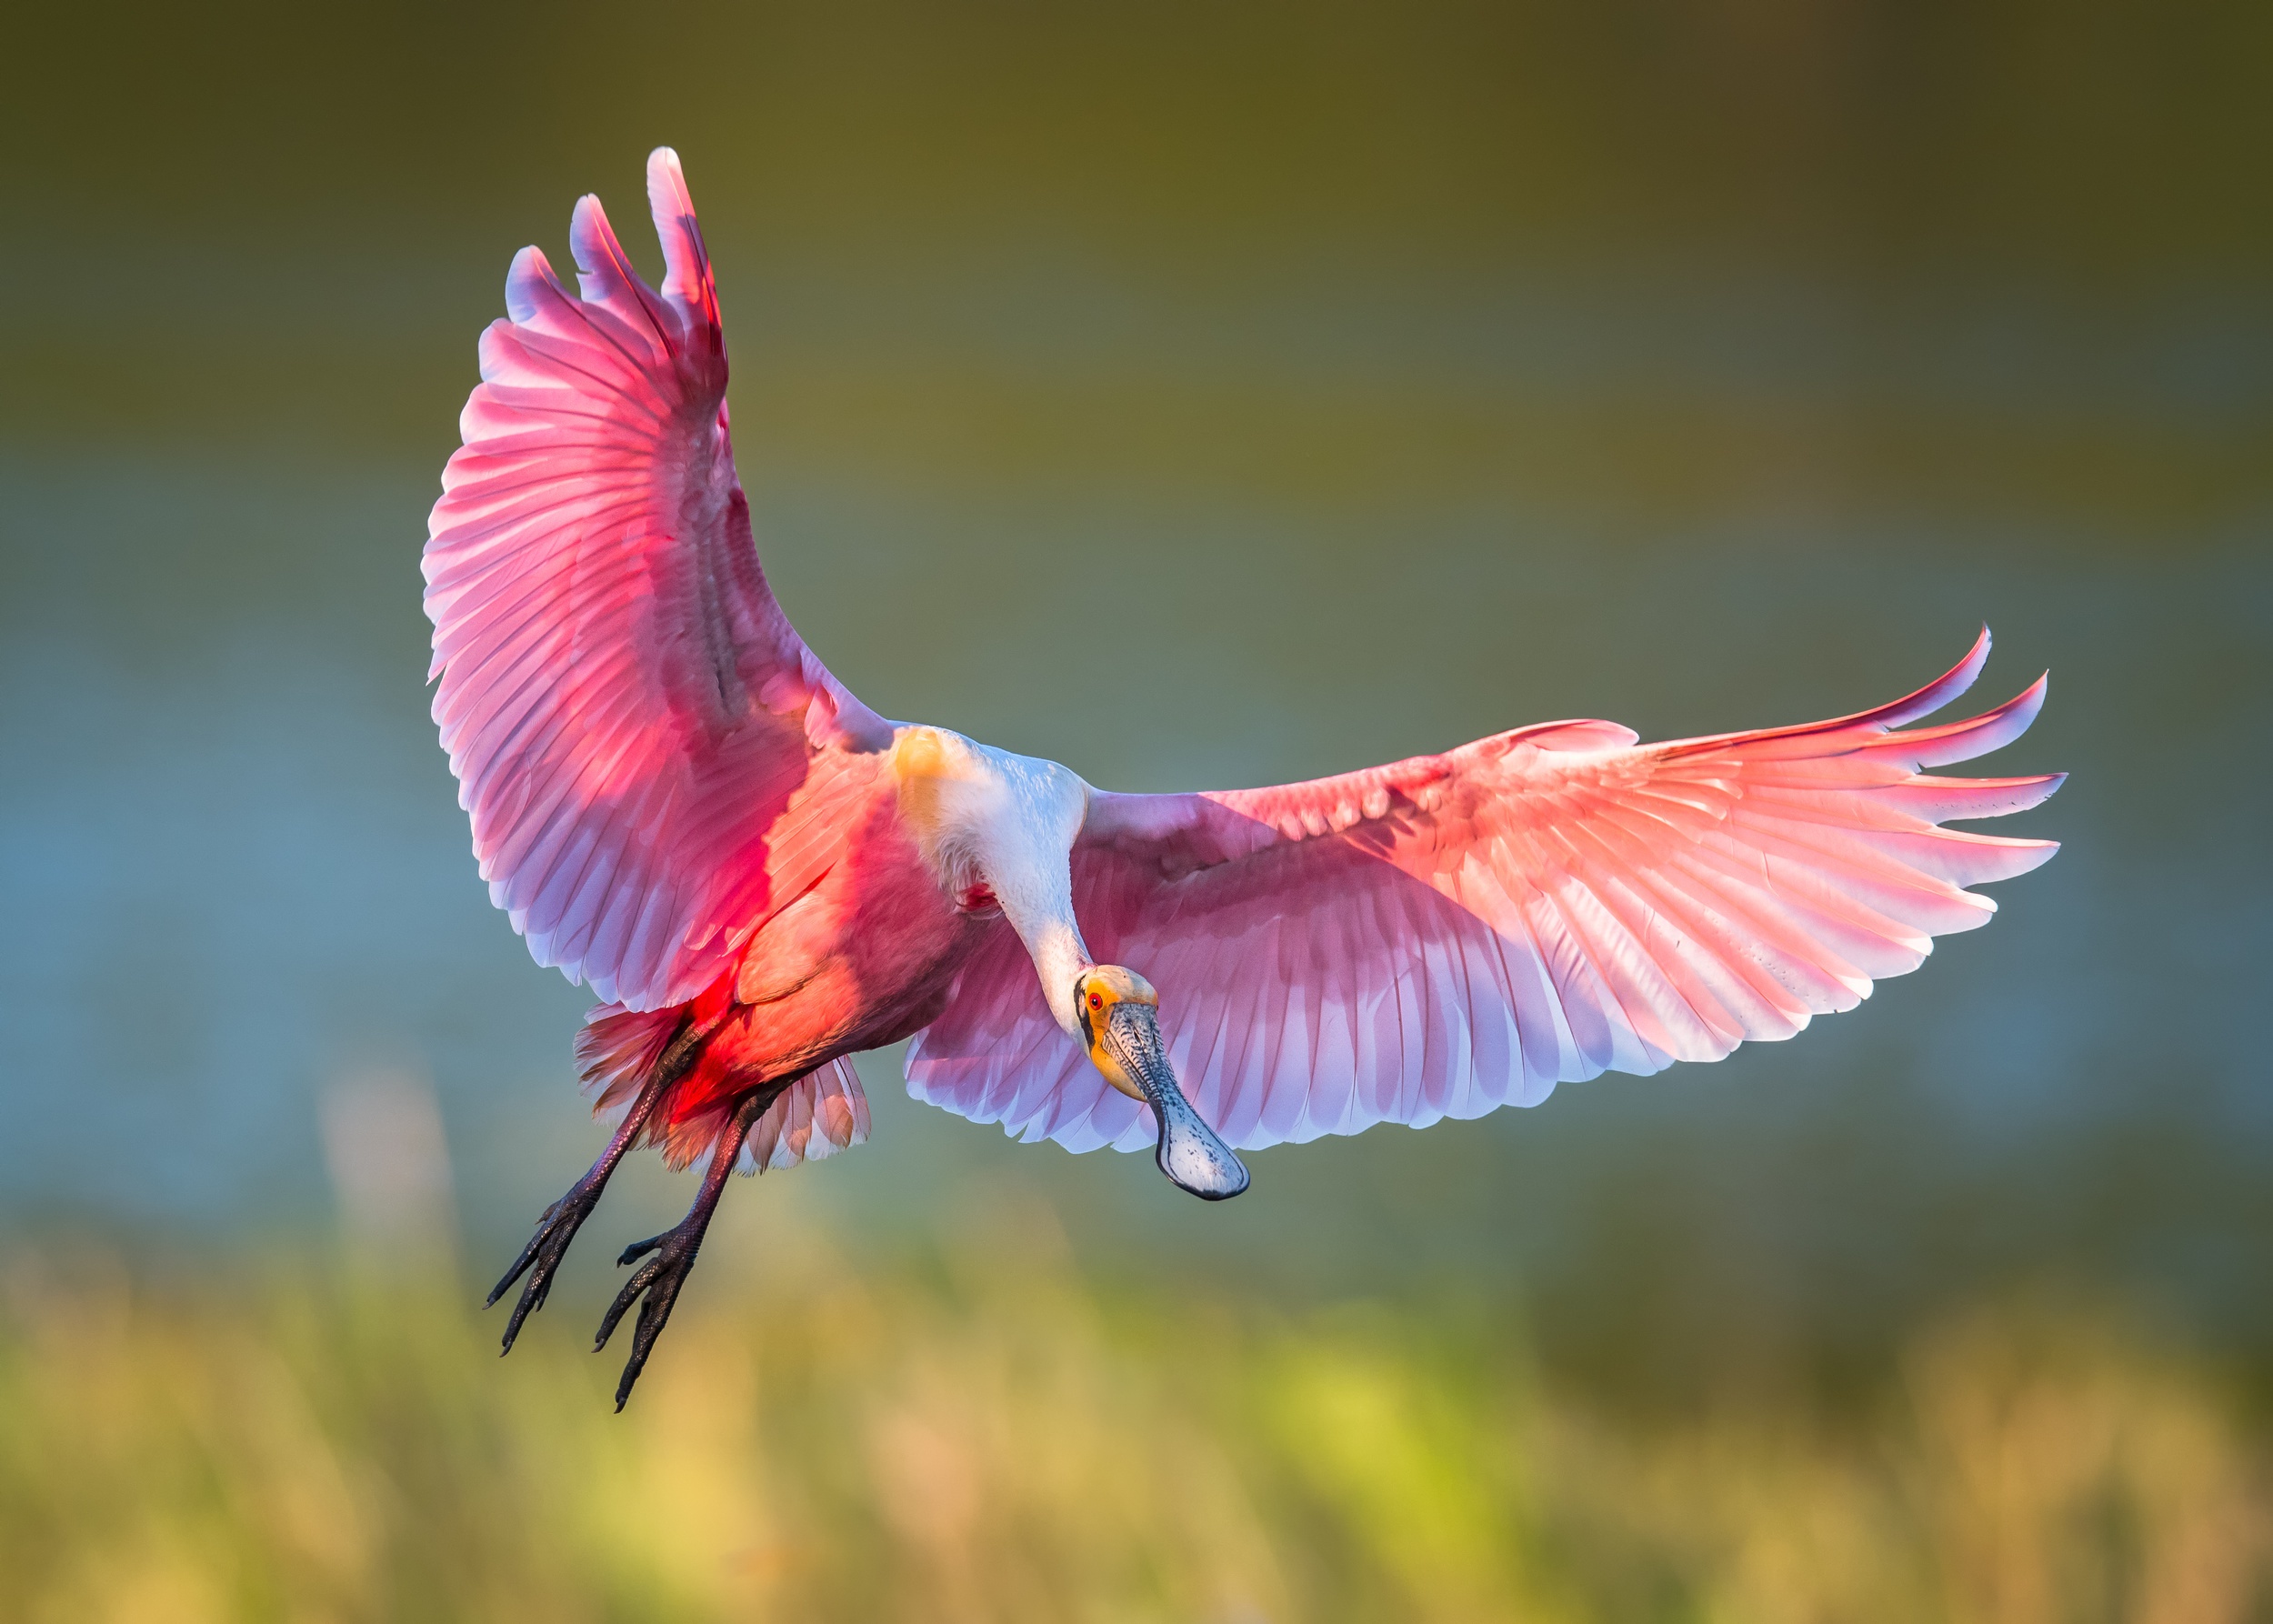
<point x="1406" y="372"/>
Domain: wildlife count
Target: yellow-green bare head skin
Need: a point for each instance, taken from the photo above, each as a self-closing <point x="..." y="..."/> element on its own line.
<point x="1097" y="992"/>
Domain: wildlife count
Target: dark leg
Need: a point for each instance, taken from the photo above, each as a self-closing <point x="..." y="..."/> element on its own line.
<point x="661" y="1276"/>
<point x="562" y="1219"/>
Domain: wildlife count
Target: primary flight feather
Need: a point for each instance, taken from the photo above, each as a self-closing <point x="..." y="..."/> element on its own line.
<point x="677" y="804"/>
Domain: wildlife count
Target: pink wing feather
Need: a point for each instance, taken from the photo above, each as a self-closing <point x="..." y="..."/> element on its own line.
<point x="649" y="752"/>
<point x="1447" y="935"/>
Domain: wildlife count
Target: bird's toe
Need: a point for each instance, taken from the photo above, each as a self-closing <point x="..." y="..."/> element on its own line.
<point x="541" y="1258"/>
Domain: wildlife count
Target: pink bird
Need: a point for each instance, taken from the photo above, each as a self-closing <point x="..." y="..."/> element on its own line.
<point x="677" y="804"/>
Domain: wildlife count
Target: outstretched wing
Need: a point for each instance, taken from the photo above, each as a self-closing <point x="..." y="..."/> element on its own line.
<point x="1447" y="935"/>
<point x="649" y="752"/>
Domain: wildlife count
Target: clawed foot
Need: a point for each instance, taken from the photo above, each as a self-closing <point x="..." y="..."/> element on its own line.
<point x="659" y="1277"/>
<point x="541" y="1257"/>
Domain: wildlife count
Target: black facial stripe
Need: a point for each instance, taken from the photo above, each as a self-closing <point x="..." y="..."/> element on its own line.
<point x="1081" y="1005"/>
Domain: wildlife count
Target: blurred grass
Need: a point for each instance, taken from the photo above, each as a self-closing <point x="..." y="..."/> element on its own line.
<point x="993" y="1437"/>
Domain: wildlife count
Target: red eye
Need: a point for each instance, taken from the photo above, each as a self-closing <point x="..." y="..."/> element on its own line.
<point x="1097" y="1002"/>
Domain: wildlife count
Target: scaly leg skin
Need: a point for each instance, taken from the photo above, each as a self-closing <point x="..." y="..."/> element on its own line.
<point x="558" y="1226"/>
<point x="661" y="1276"/>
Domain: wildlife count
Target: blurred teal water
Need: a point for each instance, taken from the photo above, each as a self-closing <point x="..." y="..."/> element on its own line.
<point x="1323" y="404"/>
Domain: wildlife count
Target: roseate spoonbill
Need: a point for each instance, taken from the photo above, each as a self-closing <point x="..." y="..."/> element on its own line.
<point x="677" y="804"/>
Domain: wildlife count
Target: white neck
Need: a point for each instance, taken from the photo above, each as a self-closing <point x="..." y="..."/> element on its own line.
<point x="984" y="813"/>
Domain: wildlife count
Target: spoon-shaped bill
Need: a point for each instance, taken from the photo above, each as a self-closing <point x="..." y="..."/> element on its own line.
<point x="1190" y="1154"/>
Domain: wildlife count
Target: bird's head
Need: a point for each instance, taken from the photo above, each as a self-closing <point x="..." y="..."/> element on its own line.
<point x="1119" y="1014"/>
<point x="1098" y="994"/>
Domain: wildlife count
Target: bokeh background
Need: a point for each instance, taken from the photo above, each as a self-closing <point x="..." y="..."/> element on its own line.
<point x="1299" y="387"/>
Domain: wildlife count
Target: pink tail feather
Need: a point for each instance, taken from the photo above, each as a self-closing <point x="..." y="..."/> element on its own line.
<point x="820" y="1114"/>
